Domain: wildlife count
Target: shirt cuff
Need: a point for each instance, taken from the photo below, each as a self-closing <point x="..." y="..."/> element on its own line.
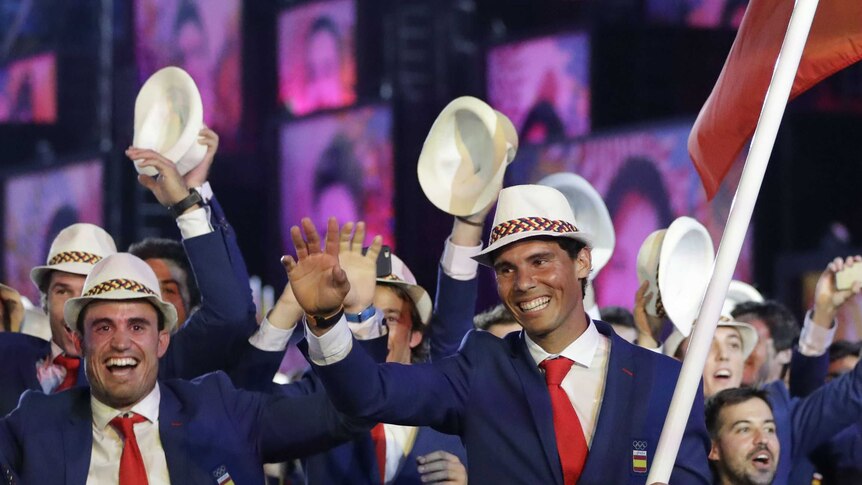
<point x="458" y="262"/>
<point x="206" y="192"/>
<point x="194" y="223"/>
<point x="815" y="340"/>
<point x="270" y="338"/>
<point x="331" y="347"/>
<point x="370" y="328"/>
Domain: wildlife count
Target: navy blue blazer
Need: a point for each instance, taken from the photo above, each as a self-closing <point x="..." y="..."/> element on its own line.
<point x="205" y="426"/>
<point x="804" y="424"/>
<point x="493" y="396"/>
<point x="215" y="337"/>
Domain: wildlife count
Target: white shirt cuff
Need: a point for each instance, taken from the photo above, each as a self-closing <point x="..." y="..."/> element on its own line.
<point x="194" y="223"/>
<point x="458" y="262"/>
<point x="815" y="340"/>
<point x="333" y="346"/>
<point x="370" y="328"/>
<point x="206" y="191"/>
<point x="270" y="338"/>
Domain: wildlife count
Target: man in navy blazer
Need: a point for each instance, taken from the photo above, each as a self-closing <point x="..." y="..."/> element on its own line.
<point x="492" y="392"/>
<point x="197" y="432"/>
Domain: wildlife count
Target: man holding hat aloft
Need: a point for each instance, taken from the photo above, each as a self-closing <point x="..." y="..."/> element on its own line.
<point x="126" y="428"/>
<point x="524" y="414"/>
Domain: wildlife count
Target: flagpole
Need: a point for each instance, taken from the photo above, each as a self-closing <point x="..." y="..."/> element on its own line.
<point x="731" y="241"/>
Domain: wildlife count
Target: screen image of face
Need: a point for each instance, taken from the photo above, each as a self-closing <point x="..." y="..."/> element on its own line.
<point x="339" y="165"/>
<point x="316" y="61"/>
<point x="28" y="90"/>
<point x="39" y="205"/>
<point x="204" y="39"/>
<point x="647" y="180"/>
<point x="543" y="86"/>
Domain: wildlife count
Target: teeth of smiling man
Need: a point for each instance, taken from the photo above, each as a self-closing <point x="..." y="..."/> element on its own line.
<point x="722" y="373"/>
<point x="762" y="457"/>
<point x="121" y="362"/>
<point x="540" y="302"/>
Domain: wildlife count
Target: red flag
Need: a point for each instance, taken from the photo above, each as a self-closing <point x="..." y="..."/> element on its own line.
<point x="729" y="117"/>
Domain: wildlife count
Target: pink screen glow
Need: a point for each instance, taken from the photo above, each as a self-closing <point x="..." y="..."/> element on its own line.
<point x="28" y="90"/>
<point x="316" y="61"/>
<point x="543" y="86"/>
<point x="65" y="195"/>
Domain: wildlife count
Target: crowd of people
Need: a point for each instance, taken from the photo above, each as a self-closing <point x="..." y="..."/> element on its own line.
<point x="158" y="371"/>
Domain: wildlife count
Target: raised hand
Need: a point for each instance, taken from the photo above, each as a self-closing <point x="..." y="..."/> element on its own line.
<point x="828" y="298"/>
<point x="361" y="268"/>
<point x="318" y="281"/>
<point x="198" y="175"/>
<point x="168" y="186"/>
<point x="441" y="467"/>
<point x="647" y="325"/>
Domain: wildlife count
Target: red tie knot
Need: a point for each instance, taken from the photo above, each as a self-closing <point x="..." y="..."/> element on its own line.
<point x="71" y="364"/>
<point x="556" y="370"/>
<point x="125" y="425"/>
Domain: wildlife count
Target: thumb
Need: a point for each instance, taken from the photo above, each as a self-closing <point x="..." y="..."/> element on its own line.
<point x="147" y="181"/>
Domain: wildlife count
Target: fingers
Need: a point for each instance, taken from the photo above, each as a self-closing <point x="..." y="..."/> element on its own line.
<point x="298" y="244"/>
<point x="287" y="261"/>
<point x="331" y="237"/>
<point x="148" y="182"/>
<point x="311" y="236"/>
<point x="345" y="239"/>
<point x="435" y="456"/>
<point x="440" y="466"/>
<point x="147" y="155"/>
<point x="359" y="236"/>
<point x="374" y="249"/>
<point x="639" y="295"/>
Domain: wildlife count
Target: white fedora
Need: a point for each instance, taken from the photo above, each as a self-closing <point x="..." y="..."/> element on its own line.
<point x="677" y="263"/>
<point x="528" y="211"/>
<point x="402" y="276"/>
<point x="591" y="213"/>
<point x="168" y="117"/>
<point x="465" y="155"/>
<point x="121" y="276"/>
<point x="75" y="250"/>
<point x="746" y="332"/>
<point x="739" y="292"/>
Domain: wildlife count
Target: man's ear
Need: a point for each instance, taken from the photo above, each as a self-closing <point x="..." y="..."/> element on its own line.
<point x="583" y="263"/>
<point x="415" y="338"/>
<point x="164" y="342"/>
<point x="714" y="452"/>
<point x="76" y="341"/>
<point x="784" y="356"/>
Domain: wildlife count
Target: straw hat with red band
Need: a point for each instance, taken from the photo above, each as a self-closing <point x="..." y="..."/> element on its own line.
<point x="403" y="277"/>
<point x="76" y="249"/>
<point x="465" y="155"/>
<point x="169" y="116"/>
<point x="525" y="211"/>
<point x="121" y="276"/>
<point x="746" y="332"/>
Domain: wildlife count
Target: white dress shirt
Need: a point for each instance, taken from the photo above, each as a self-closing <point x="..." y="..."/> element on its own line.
<point x="585" y="382"/>
<point x="399" y="443"/>
<point x="815" y="340"/>
<point x="108" y="444"/>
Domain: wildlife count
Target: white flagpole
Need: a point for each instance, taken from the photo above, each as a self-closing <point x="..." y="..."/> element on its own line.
<point x="732" y="239"/>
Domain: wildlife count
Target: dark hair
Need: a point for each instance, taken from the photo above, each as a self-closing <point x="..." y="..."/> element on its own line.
<point x="572" y="247"/>
<point x="617" y="315"/>
<point x="639" y="175"/>
<point x="171" y="250"/>
<point x="729" y="397"/>
<point x="782" y="325"/>
<point x="844" y="348"/>
<point x="79" y="324"/>
<point x="498" y="315"/>
<point x="420" y="352"/>
<point x="338" y="166"/>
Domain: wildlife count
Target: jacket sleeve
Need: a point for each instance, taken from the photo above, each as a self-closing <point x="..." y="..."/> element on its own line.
<point x="807" y="374"/>
<point x="454" y="307"/>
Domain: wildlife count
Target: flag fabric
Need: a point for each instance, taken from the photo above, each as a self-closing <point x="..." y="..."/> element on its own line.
<point x="729" y="116"/>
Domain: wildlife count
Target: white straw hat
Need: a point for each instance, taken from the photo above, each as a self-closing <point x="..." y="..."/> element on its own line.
<point x="677" y="263"/>
<point x="591" y="213"/>
<point x="528" y="211"/>
<point x="168" y="118"/>
<point x="121" y="276"/>
<point x="76" y="249"/>
<point x="465" y="155"/>
<point x="746" y="332"/>
<point x="739" y="292"/>
<point x="403" y="277"/>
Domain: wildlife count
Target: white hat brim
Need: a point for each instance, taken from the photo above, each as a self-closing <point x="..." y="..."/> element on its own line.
<point x="39" y="274"/>
<point x="421" y="298"/>
<point x="73" y="306"/>
<point x="484" y="257"/>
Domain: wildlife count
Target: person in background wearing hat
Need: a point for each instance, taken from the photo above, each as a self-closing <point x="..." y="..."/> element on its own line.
<point x="745" y="447"/>
<point x="517" y="424"/>
<point x="128" y="428"/>
<point x="392" y="319"/>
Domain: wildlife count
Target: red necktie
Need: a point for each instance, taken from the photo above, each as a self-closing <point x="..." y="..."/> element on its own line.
<point x="71" y="365"/>
<point x="567" y="427"/>
<point x="378" y="436"/>
<point x="132" y="469"/>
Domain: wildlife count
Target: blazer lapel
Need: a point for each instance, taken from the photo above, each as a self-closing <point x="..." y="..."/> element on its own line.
<point x="613" y="415"/>
<point x="78" y="436"/>
<point x="173" y="427"/>
<point x="536" y="394"/>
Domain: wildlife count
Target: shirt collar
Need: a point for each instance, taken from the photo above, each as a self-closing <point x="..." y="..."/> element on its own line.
<point x="148" y="407"/>
<point x="55" y="350"/>
<point x="581" y="350"/>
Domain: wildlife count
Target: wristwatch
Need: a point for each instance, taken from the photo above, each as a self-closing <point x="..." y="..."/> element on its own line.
<point x="325" y="321"/>
<point x="191" y="200"/>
